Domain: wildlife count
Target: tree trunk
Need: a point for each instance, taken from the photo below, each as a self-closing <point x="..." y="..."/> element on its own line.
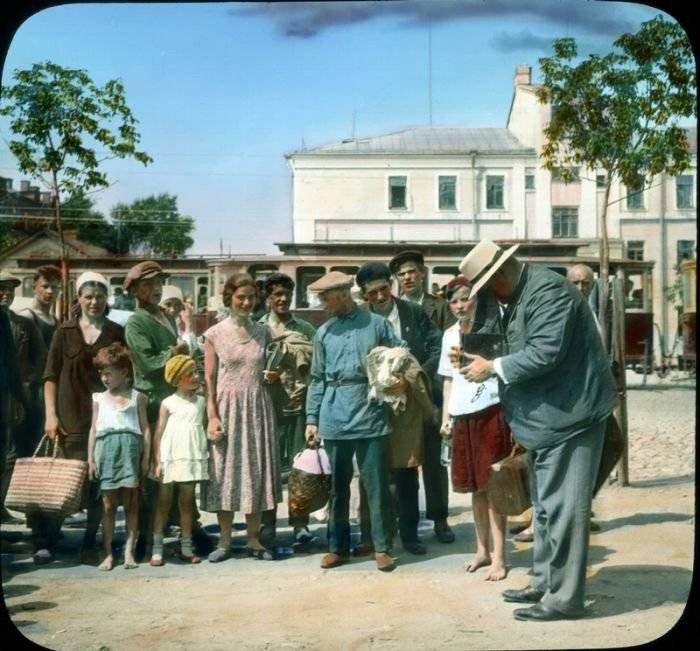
<point x="604" y="272"/>
<point x="64" y="301"/>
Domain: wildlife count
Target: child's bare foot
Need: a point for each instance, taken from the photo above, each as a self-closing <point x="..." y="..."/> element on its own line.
<point x="477" y="562"/>
<point x="107" y="564"/>
<point x="497" y="571"/>
<point x="129" y="562"/>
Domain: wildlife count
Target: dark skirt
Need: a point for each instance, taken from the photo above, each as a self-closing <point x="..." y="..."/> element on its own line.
<point x="478" y="440"/>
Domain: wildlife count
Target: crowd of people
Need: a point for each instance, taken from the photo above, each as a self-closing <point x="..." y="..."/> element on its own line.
<point x="156" y="411"/>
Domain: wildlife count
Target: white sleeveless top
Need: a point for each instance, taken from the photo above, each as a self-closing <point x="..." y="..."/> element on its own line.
<point x="111" y="418"/>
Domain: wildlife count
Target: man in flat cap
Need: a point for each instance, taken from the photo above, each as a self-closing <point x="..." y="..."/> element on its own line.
<point x="409" y="268"/>
<point x="152" y="339"/>
<point x="556" y="389"/>
<point x="338" y="411"/>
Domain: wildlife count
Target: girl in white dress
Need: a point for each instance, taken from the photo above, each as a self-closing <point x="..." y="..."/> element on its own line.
<point x="180" y="454"/>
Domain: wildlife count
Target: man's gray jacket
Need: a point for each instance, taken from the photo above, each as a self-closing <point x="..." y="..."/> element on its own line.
<point x="558" y="375"/>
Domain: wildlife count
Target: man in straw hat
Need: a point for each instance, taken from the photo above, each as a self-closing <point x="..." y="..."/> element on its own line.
<point x="557" y="393"/>
<point x="337" y="410"/>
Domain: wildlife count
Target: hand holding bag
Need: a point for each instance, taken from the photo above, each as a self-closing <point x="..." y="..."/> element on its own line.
<point x="46" y="484"/>
<point x="508" y="487"/>
<point x="309" y="483"/>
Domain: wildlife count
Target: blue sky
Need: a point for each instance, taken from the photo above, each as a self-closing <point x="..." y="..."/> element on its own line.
<point x="223" y="90"/>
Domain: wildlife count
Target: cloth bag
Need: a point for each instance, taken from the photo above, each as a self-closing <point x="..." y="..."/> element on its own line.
<point x="508" y="487"/>
<point x="47" y="484"/>
<point x="309" y="483"/>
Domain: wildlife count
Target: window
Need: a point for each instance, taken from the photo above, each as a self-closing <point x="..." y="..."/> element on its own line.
<point x="635" y="250"/>
<point x="529" y="178"/>
<point x="635" y="197"/>
<point x="601" y="180"/>
<point x="305" y="276"/>
<point x="557" y="175"/>
<point x="397" y="192"/>
<point x="494" y="192"/>
<point x="685" y="250"/>
<point x="447" y="192"/>
<point x="564" y="222"/>
<point x="684" y="191"/>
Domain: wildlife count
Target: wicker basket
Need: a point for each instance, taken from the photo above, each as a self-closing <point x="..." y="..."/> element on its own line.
<point x="46" y="484"/>
<point x="508" y="487"/>
<point x="308" y="492"/>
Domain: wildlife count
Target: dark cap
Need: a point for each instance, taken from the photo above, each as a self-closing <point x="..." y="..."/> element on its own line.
<point x="141" y="271"/>
<point x="409" y="255"/>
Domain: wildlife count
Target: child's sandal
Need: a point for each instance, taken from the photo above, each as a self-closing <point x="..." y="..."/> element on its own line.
<point x="194" y="559"/>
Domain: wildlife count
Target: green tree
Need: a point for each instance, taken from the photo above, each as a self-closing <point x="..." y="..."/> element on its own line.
<point x="59" y="118"/>
<point x="620" y="113"/>
<point x="153" y="225"/>
<point x="78" y="212"/>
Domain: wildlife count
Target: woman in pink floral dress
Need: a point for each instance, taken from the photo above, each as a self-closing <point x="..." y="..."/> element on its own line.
<point x="243" y="450"/>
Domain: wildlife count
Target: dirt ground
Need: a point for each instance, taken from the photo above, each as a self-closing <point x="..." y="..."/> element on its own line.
<point x="640" y="570"/>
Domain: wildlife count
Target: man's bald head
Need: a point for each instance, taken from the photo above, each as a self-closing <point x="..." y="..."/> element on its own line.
<point x="581" y="275"/>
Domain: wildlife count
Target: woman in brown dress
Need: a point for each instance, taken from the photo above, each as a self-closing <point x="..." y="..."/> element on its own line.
<point x="243" y="450"/>
<point x="70" y="380"/>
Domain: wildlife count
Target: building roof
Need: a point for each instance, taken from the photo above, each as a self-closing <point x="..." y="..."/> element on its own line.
<point x="428" y="140"/>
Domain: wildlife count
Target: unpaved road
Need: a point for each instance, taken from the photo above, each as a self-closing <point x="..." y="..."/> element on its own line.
<point x="639" y="578"/>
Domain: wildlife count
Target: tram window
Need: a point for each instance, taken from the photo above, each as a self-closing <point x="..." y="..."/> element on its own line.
<point x="306" y="276"/>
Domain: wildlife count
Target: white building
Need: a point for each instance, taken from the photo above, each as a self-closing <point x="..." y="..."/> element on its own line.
<point x="436" y="184"/>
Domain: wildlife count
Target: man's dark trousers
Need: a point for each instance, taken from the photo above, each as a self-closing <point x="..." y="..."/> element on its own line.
<point x="372" y="461"/>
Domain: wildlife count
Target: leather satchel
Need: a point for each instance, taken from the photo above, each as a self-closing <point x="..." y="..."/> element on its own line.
<point x="508" y="487"/>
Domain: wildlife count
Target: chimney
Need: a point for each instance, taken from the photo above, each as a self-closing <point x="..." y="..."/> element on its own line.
<point x="5" y="184"/>
<point x="24" y="186"/>
<point x="523" y="75"/>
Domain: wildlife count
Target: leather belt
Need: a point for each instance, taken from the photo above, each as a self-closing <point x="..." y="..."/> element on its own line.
<point x="342" y="383"/>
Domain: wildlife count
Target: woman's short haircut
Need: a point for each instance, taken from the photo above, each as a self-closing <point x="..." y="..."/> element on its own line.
<point x="235" y="282"/>
<point x="115" y="355"/>
<point x="456" y="283"/>
<point x="278" y="279"/>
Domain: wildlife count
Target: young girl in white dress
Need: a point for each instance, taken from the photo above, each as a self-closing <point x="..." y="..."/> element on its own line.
<point x="118" y="447"/>
<point x="180" y="454"/>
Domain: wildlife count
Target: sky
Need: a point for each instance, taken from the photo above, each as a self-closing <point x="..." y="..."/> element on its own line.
<point x="222" y="91"/>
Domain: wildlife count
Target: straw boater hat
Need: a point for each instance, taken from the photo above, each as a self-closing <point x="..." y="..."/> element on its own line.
<point x="332" y="280"/>
<point x="6" y="278"/>
<point x="170" y="292"/>
<point x="483" y="261"/>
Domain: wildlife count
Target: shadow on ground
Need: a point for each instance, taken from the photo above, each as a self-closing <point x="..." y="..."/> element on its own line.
<point x="626" y="588"/>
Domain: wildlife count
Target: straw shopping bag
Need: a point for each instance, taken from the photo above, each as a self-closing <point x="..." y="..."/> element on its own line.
<point x="49" y="484"/>
<point x="508" y="487"/>
<point x="309" y="482"/>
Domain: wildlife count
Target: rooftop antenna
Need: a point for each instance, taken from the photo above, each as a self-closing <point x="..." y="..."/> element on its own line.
<point x="354" y="116"/>
<point x="430" y="72"/>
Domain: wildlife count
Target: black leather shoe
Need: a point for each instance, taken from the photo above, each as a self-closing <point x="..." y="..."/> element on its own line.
<point x="415" y="547"/>
<point x="525" y="596"/>
<point x="540" y="613"/>
<point x="443" y="532"/>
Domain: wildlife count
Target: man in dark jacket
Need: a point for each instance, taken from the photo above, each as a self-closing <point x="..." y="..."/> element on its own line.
<point x="410" y="323"/>
<point x="409" y="268"/>
<point x="30" y="354"/>
<point x="557" y="394"/>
